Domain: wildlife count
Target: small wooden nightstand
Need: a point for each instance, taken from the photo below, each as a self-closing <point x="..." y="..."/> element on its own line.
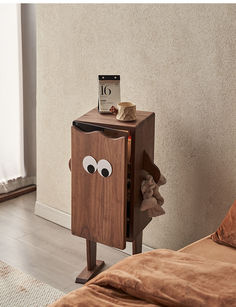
<point x="106" y="162"/>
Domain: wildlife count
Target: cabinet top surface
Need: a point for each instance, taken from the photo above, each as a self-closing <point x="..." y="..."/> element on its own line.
<point x="95" y="117"/>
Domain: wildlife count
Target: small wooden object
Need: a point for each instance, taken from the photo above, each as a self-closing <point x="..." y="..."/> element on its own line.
<point x="106" y="199"/>
<point x="126" y="111"/>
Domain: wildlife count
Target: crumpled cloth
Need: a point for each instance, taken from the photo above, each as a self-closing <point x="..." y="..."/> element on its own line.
<point x="152" y="199"/>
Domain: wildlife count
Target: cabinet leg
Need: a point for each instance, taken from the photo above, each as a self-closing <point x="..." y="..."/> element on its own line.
<point x="91" y="249"/>
<point x="93" y="265"/>
<point x="137" y="243"/>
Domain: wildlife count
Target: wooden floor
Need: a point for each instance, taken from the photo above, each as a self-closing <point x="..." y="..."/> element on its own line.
<point x="43" y="249"/>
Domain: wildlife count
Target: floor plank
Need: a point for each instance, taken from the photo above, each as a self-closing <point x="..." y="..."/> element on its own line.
<point x="43" y="249"/>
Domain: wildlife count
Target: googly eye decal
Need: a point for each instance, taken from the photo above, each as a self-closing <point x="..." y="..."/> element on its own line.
<point x="104" y="168"/>
<point x="90" y="164"/>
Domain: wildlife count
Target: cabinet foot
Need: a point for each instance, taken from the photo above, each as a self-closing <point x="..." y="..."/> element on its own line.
<point x="86" y="274"/>
<point x="137" y="244"/>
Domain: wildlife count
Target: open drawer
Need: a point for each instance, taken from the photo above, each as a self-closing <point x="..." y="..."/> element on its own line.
<point x="99" y="183"/>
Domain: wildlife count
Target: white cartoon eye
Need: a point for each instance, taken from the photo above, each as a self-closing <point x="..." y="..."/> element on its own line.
<point x="104" y="168"/>
<point x="90" y="164"/>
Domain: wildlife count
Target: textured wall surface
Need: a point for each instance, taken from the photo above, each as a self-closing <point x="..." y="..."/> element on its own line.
<point x="175" y="60"/>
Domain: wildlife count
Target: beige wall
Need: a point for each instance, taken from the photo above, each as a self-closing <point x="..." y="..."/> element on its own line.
<point x="175" y="60"/>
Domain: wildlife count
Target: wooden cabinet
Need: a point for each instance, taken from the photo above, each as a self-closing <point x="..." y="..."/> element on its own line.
<point x="107" y="158"/>
<point x="98" y="202"/>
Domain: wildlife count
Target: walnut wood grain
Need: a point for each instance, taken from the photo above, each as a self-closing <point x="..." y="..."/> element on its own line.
<point x="142" y="133"/>
<point x="99" y="203"/>
<point x="150" y="167"/>
<point x="142" y="140"/>
<point x="137" y="244"/>
<point x="110" y="120"/>
<point x="91" y="248"/>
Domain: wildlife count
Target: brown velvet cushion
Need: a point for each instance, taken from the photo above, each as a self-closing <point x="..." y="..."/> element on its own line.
<point x="226" y="233"/>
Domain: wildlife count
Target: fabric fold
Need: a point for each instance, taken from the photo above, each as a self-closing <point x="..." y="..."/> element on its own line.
<point x="159" y="278"/>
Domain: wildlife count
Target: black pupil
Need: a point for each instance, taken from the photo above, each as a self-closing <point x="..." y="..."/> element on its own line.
<point x="105" y="172"/>
<point x="90" y="168"/>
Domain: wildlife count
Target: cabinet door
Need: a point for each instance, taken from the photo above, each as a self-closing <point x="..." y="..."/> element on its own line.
<point x="99" y="171"/>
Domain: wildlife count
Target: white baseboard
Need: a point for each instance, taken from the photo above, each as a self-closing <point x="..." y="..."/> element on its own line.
<point x="64" y="219"/>
<point x="54" y="215"/>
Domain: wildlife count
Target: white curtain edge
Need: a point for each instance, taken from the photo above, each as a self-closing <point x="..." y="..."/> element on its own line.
<point x="22" y="163"/>
<point x="15" y="184"/>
